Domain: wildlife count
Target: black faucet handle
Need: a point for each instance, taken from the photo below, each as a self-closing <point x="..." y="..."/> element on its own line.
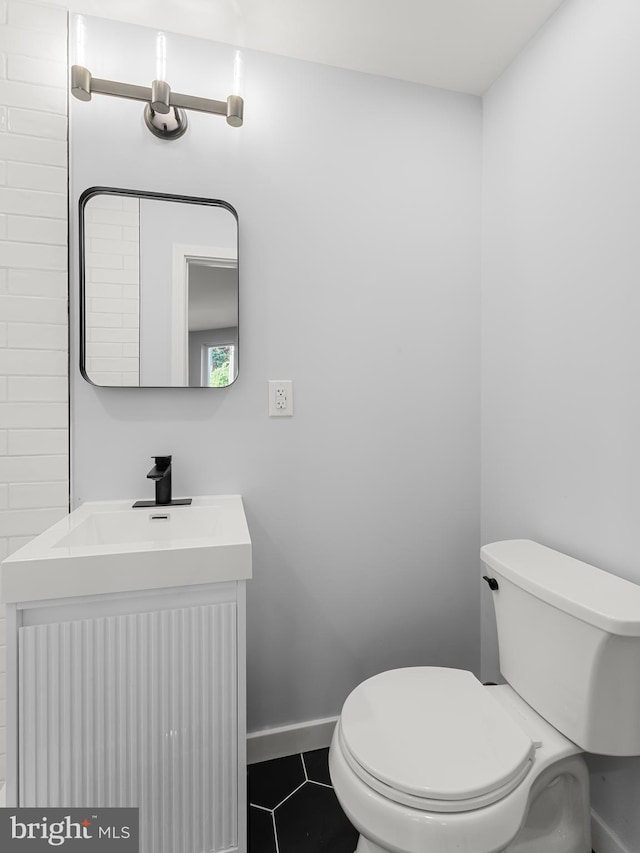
<point x="162" y="462"/>
<point x="161" y="475"/>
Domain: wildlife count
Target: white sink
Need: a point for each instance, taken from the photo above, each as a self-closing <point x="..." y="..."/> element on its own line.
<point x="110" y="547"/>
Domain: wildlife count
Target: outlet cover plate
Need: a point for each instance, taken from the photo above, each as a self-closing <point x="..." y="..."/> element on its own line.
<point x="280" y="398"/>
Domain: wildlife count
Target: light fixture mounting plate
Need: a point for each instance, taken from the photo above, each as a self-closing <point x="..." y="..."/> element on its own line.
<point x="171" y="125"/>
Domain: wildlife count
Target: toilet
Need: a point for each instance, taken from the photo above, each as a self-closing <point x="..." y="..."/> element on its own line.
<point x="429" y="760"/>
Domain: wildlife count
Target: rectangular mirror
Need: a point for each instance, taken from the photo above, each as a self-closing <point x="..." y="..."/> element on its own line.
<point x="158" y="290"/>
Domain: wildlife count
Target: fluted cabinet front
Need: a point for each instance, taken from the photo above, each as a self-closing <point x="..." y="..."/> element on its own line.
<point x="140" y="710"/>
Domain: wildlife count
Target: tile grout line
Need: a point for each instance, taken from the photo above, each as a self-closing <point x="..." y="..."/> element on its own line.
<point x="295" y="791"/>
<point x="262" y="808"/>
<point x="275" y="831"/>
<point x="312" y="781"/>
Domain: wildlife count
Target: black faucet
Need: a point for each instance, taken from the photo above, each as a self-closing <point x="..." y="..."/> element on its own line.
<point x="161" y="475"/>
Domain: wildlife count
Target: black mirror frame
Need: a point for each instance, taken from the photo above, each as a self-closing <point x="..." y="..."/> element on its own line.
<point x="118" y="191"/>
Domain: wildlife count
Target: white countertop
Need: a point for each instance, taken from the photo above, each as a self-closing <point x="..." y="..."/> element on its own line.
<point x="109" y="547"/>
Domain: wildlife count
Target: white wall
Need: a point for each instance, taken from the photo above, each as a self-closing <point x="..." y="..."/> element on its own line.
<point x="33" y="281"/>
<point x="359" y="213"/>
<point x="561" y="302"/>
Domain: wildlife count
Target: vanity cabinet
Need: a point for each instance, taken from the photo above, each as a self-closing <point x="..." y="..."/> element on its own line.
<point x="134" y="699"/>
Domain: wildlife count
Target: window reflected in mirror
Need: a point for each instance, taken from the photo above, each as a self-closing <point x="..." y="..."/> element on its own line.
<point x="218" y="364"/>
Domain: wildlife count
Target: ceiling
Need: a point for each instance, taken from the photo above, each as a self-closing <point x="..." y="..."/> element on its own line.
<point x="462" y="45"/>
<point x="213" y="297"/>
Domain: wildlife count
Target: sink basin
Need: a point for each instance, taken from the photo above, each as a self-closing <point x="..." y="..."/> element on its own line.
<point x="109" y="547"/>
<point x="172" y="526"/>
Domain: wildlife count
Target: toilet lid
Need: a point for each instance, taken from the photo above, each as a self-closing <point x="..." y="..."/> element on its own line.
<point x="434" y="734"/>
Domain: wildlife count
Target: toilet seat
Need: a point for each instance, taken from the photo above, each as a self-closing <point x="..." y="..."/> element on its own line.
<point x="434" y="739"/>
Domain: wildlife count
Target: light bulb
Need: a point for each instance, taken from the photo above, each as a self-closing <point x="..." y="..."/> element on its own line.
<point x="81" y="37"/>
<point x="161" y="56"/>
<point x="238" y="74"/>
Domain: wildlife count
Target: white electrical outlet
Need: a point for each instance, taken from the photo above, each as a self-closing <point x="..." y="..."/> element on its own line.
<point x="280" y="398"/>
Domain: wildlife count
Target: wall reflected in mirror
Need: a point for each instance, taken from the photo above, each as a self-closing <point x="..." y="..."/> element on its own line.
<point x="159" y="290"/>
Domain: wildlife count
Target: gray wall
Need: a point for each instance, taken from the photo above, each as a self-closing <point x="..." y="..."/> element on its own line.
<point x="356" y="217"/>
<point x="561" y="301"/>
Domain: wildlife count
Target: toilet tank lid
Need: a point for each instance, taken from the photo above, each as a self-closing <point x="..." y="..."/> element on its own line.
<point x="590" y="594"/>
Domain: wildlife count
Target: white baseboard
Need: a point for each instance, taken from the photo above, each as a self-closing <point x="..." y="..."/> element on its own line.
<point x="289" y="740"/>
<point x="603" y="838"/>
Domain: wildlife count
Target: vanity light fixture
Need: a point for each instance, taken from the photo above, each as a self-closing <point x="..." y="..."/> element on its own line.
<point x="164" y="112"/>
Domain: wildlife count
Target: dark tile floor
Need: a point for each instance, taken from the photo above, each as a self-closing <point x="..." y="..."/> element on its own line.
<point x="293" y="809"/>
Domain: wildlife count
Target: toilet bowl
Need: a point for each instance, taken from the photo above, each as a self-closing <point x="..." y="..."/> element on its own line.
<point x="429" y="760"/>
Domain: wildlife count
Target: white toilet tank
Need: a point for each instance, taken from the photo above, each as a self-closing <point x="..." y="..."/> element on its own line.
<point x="569" y="639"/>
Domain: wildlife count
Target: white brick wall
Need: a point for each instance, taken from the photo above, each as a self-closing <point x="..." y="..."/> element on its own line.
<point x="33" y="281"/>
<point x="112" y="244"/>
